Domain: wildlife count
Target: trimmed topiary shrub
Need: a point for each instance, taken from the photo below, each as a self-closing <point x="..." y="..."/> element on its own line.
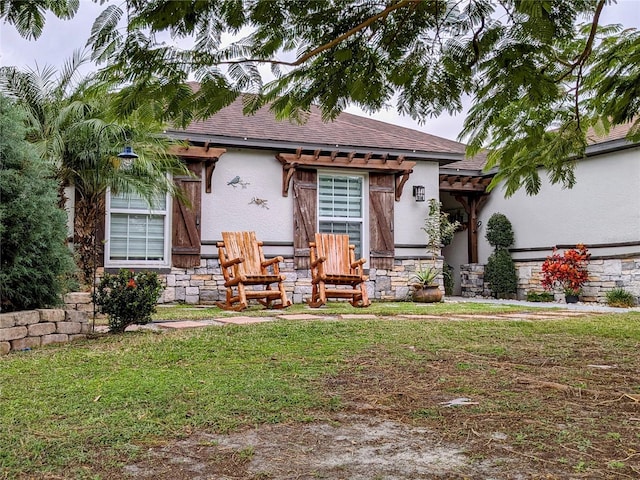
<point x="500" y="271"/>
<point x="499" y="231"/>
<point x="128" y="298"/>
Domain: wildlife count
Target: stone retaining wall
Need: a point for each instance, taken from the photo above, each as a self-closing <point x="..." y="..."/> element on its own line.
<point x="33" y="328"/>
<point x="604" y="276"/>
<point x="205" y="284"/>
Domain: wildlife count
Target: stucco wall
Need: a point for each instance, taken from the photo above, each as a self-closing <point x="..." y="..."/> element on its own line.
<point x="409" y="214"/>
<point x="603" y="207"/>
<point x="230" y="207"/>
<point x="602" y="211"/>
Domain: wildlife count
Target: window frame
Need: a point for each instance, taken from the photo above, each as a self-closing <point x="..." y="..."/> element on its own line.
<point x="363" y="220"/>
<point x="166" y="249"/>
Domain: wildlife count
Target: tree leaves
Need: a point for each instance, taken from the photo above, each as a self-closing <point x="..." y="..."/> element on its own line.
<point x="530" y="69"/>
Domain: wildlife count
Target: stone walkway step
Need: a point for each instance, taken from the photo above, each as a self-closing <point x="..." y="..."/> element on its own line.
<point x="247" y="320"/>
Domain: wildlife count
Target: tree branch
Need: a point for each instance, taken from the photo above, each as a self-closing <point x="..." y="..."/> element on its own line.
<point x="589" y="45"/>
<point x="336" y="41"/>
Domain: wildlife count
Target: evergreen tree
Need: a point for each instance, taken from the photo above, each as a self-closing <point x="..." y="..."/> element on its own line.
<point x="35" y="264"/>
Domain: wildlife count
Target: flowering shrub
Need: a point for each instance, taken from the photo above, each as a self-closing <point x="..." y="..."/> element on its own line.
<point x="568" y="271"/>
<point x="128" y="298"/>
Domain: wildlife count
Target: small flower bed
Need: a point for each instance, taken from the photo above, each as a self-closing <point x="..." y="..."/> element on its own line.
<point x="568" y="271"/>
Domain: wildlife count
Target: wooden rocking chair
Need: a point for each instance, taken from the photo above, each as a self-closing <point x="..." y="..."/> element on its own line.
<point x="243" y="264"/>
<point x="333" y="263"/>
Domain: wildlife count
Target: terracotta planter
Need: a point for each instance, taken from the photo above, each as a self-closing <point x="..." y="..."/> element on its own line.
<point x="427" y="294"/>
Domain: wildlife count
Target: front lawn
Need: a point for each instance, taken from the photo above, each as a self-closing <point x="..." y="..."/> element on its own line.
<point x="84" y="410"/>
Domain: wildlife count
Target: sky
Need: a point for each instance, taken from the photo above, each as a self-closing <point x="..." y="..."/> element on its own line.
<point x="60" y="38"/>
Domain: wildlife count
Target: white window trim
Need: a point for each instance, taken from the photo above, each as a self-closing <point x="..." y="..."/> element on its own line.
<point x="365" y="205"/>
<point x="108" y="263"/>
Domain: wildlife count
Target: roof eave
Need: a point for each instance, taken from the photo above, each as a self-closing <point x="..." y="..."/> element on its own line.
<point x="610" y="146"/>
<point x="443" y="158"/>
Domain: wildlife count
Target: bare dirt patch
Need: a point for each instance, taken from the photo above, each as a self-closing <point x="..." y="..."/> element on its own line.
<point x="353" y="446"/>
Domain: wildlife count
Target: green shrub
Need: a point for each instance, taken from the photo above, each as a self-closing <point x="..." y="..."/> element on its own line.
<point x="36" y="266"/>
<point x="500" y="273"/>
<point x="499" y="231"/>
<point x="540" y="297"/>
<point x="128" y="298"/>
<point x="449" y="283"/>
<point x="619" y="297"/>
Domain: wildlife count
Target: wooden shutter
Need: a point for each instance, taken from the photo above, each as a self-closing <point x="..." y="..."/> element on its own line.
<point x="381" y="200"/>
<point x="304" y="215"/>
<point x="185" y="250"/>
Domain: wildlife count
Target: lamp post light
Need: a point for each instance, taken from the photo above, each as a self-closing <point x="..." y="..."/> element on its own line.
<point x="127" y="153"/>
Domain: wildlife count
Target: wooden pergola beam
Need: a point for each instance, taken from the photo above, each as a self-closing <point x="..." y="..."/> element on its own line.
<point x="460" y="184"/>
<point x="399" y="167"/>
<point x="349" y="160"/>
<point x="206" y="154"/>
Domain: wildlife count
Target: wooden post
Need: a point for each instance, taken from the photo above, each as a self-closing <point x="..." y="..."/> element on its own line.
<point x="473" y="230"/>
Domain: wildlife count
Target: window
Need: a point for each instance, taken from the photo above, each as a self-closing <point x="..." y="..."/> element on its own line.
<point x="341" y="207"/>
<point x="137" y="233"/>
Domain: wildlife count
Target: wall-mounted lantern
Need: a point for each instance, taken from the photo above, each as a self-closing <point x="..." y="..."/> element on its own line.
<point x="418" y="193"/>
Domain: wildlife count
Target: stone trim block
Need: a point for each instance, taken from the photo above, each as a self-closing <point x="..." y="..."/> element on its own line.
<point x="27" y="317"/>
<point x="13" y="333"/>
<point x="76" y="316"/>
<point x="40" y="329"/>
<point x="7" y="320"/>
<point x="55" y="338"/>
<point x="51" y="315"/>
<point x="68" y="327"/>
<point x="25" y="343"/>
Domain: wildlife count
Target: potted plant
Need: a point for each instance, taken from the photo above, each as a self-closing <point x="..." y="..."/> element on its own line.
<point x="425" y="285"/>
<point x="567" y="271"/>
<point x="438" y="228"/>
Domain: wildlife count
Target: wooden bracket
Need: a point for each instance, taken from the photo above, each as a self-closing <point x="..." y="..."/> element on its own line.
<point x="400" y="181"/>
<point x="288" y="169"/>
<point x="209" y="167"/>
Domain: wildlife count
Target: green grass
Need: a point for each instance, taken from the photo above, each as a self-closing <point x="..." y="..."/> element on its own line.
<point x="200" y="312"/>
<point x="87" y="407"/>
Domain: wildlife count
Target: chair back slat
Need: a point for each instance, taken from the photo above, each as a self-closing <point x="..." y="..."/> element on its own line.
<point x="244" y="245"/>
<point x="336" y="250"/>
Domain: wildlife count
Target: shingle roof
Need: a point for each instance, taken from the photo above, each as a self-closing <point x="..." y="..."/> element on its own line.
<point x="617" y="132"/>
<point x="346" y="131"/>
<point x="477" y="163"/>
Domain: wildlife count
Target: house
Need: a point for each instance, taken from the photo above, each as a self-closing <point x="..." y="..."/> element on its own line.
<point x="372" y="180"/>
<point x="286" y="181"/>
<point x="601" y="211"/>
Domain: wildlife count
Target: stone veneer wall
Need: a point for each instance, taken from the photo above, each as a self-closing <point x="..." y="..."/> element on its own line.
<point x="205" y="284"/>
<point x="33" y="328"/>
<point x="604" y="276"/>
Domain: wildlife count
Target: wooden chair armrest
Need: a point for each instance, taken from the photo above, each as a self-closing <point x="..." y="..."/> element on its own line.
<point x="357" y="263"/>
<point x="231" y="262"/>
<point x="273" y="260"/>
<point x="318" y="262"/>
